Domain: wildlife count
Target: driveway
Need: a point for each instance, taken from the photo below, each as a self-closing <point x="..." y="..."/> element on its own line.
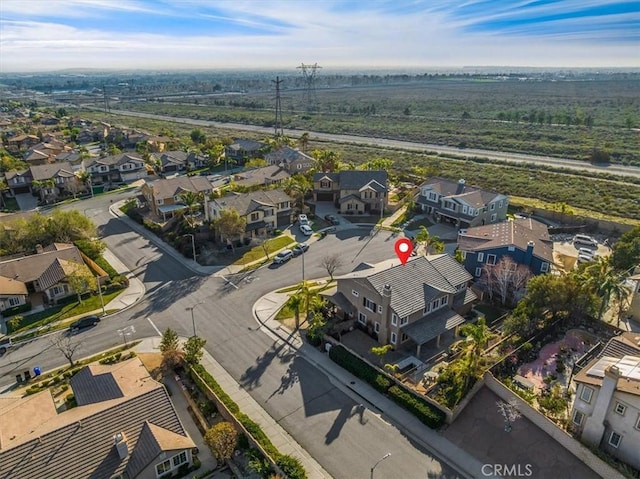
<point x="27" y="202"/>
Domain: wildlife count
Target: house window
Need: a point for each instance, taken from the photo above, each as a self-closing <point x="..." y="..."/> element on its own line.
<point x="478" y="272"/>
<point x="380" y="309"/>
<point x="404" y="321"/>
<point x="355" y="293"/>
<point x="20" y="179"/>
<point x="299" y="166"/>
<point x="179" y="459"/>
<point x="511" y="248"/>
<point x="427" y="308"/>
<point x="325" y="184"/>
<point x="403" y="338"/>
<point x="464" y="209"/>
<point x="56" y="290"/>
<point x="500" y="204"/>
<point x="14" y="301"/>
<point x="578" y="417"/>
<point x="615" y="439"/>
<point x="491" y="259"/>
<point x="492" y="207"/>
<point x="159" y="201"/>
<point x="480" y="257"/>
<point x="620" y="408"/>
<point x="254" y="216"/>
<point x="433" y="196"/>
<point x="638" y="422"/>
<point x="394" y="319"/>
<point x="494" y="217"/>
<point x="586" y="394"/>
<point x="476" y="212"/>
<point x="376" y="327"/>
<point x="163" y="467"/>
<point x="436" y="304"/>
<point x="444" y="300"/>
<point x="544" y="267"/>
<point x="394" y="338"/>
<point x="370" y="305"/>
<point x="362" y="318"/>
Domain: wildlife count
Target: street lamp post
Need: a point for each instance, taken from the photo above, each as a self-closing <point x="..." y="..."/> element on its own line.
<point x="193" y="245"/>
<point x="386" y="456"/>
<point x="193" y="319"/>
<point x="100" y="292"/>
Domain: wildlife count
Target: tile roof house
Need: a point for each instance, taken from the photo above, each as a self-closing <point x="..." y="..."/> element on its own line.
<point x="163" y="196"/>
<point x="268" y="175"/>
<point x="21" y="142"/>
<point x="124" y="426"/>
<point x="524" y="240"/>
<point x="263" y="210"/>
<point x="12" y="293"/>
<point x="406" y="306"/>
<point x="353" y="191"/>
<point x="461" y="204"/>
<point x="45" y="272"/>
<point x="175" y="161"/>
<point x="115" y="168"/>
<point x="292" y="160"/>
<point x="243" y="149"/>
<point x="61" y="174"/>
<point x="634" y="303"/>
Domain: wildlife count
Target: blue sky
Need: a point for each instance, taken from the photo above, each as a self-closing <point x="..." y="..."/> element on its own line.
<point x="38" y="35"/>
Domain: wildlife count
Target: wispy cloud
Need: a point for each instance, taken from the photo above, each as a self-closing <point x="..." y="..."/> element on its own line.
<point x="37" y="35"/>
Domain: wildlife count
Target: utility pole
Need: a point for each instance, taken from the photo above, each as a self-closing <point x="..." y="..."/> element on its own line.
<point x="278" y="122"/>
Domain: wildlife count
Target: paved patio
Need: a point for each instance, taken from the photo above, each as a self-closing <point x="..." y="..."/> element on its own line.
<point x="480" y="431"/>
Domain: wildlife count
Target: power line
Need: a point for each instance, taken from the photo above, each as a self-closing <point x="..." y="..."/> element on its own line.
<point x="309" y="72"/>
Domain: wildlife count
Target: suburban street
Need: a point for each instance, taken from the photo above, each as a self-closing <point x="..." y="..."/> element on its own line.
<point x="319" y="414"/>
<point x="509" y="157"/>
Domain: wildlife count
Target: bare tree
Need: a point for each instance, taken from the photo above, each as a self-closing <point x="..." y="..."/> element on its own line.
<point x="505" y="279"/>
<point x="331" y="263"/>
<point x="64" y="343"/>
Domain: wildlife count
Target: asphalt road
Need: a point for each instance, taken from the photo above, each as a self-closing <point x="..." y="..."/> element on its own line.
<point x="317" y="413"/>
<point x="518" y="158"/>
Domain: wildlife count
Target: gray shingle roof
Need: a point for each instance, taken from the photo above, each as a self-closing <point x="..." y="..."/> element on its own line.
<point x="429" y="327"/>
<point x="416" y="283"/>
<point x="168" y="188"/>
<point x="114" y="159"/>
<point x="286" y="155"/>
<point x="78" y="443"/>
<point x="468" y="193"/>
<point x="246" y="144"/>
<point x="51" y="170"/>
<point x="32" y="267"/>
<point x="89" y="388"/>
<point x="356" y="179"/>
<point x="245" y="203"/>
<point x="259" y="176"/>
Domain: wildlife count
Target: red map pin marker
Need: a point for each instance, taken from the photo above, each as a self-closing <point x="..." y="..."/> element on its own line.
<point x="403" y="248"/>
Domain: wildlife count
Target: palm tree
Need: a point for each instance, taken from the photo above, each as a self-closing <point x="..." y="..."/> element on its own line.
<point x="326" y="160"/>
<point x="432" y="244"/>
<point x="295" y="302"/>
<point x="478" y="335"/>
<point x="298" y="185"/>
<point x="304" y="141"/>
<point x="193" y="201"/>
<point x="604" y="281"/>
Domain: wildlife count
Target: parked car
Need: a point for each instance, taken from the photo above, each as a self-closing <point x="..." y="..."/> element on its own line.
<point x="300" y="248"/>
<point x="5" y="344"/>
<point x="85" y="322"/>
<point x="283" y="256"/>
<point x="586" y="252"/>
<point x="306" y="230"/>
<point x="332" y="219"/>
<point x="586" y="240"/>
<point x="303" y="220"/>
<point x="584" y="258"/>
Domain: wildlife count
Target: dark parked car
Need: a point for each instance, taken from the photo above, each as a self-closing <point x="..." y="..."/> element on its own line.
<point x="299" y="248"/>
<point x="85" y="322"/>
<point x="332" y="219"/>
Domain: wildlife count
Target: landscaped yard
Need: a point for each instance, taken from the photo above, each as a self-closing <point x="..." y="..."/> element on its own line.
<point x="272" y="246"/>
<point x="491" y="312"/>
<point x="416" y="224"/>
<point x="58" y="313"/>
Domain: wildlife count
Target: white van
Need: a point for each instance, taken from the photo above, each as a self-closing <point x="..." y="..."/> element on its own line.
<point x="586" y="240"/>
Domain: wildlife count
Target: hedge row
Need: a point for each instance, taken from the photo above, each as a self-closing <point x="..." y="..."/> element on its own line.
<point x="291" y="466"/>
<point x="360" y="368"/>
<point x="426" y="412"/>
<point x="104" y="264"/>
<point x="23" y="308"/>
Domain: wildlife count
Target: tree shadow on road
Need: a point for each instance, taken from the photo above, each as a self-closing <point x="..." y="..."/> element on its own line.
<point x="250" y="379"/>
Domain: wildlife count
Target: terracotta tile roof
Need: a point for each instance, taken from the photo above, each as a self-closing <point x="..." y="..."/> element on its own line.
<point x="10" y="286"/>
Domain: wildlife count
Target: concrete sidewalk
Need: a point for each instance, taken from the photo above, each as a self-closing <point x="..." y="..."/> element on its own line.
<point x="265" y="310"/>
<point x="278" y="436"/>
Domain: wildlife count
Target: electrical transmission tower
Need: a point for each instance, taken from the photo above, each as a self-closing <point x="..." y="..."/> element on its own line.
<point x="309" y="72"/>
<point x="278" y="122"/>
<point x="107" y="107"/>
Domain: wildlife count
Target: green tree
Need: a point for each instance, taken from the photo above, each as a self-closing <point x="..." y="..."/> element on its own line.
<point x="222" y="439"/>
<point x="4" y="187"/>
<point x="304" y="141"/>
<point x="604" y="281"/>
<point x="381" y="352"/>
<point x="477" y="335"/>
<point x="93" y="248"/>
<point x="197" y="136"/>
<point x="80" y="280"/>
<point x="193" y="202"/>
<point x="432" y="244"/>
<point x="554" y="402"/>
<point x="377" y="164"/>
<point x="172" y="353"/>
<point x="230" y="225"/>
<point x="193" y="350"/>
<point x="112" y="149"/>
<point x="326" y="160"/>
<point x="14" y="322"/>
<point x="298" y="186"/>
<point x="256" y="163"/>
<point x="626" y="251"/>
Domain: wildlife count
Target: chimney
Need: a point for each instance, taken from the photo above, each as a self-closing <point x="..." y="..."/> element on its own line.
<point x="39" y="249"/>
<point x="528" y="256"/>
<point x="460" y="188"/>
<point x="120" y="442"/>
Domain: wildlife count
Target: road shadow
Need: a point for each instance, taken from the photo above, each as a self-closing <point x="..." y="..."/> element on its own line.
<point x="346" y="412"/>
<point x="250" y="379"/>
<point x="164" y="295"/>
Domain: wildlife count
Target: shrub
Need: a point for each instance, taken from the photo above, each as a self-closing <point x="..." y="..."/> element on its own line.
<point x="104" y="264"/>
<point x="211" y="382"/>
<point x="222" y="439"/>
<point x="23" y="308"/>
<point x="291" y="467"/>
<point x="118" y="356"/>
<point x="258" y="434"/>
<point x="151" y="226"/>
<point x="359" y="368"/>
<point x="425" y="412"/>
<point x="132" y="354"/>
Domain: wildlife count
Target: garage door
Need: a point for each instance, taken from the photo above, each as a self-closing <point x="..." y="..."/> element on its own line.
<point x="325" y="197"/>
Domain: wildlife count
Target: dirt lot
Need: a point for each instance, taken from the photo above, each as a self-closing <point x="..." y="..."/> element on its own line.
<point x="565" y="254"/>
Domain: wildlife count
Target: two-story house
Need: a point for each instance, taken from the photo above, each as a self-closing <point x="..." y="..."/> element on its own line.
<point x="124" y="426"/>
<point x="54" y="180"/>
<point x="606" y="407"/>
<point x="461" y="204"/>
<point x="19" y="181"/>
<point x="292" y="160"/>
<point x="115" y="168"/>
<point x="243" y="149"/>
<point x="164" y="196"/>
<point x="263" y="210"/>
<point x="408" y="305"/>
<point x="353" y="191"/>
<point x="176" y="161"/>
<point x="525" y="240"/>
<point x="22" y="142"/>
<point x="266" y="176"/>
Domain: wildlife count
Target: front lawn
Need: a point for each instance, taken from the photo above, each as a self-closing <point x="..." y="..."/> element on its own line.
<point x="65" y="311"/>
<point x="257" y="252"/>
<point x="11" y="204"/>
